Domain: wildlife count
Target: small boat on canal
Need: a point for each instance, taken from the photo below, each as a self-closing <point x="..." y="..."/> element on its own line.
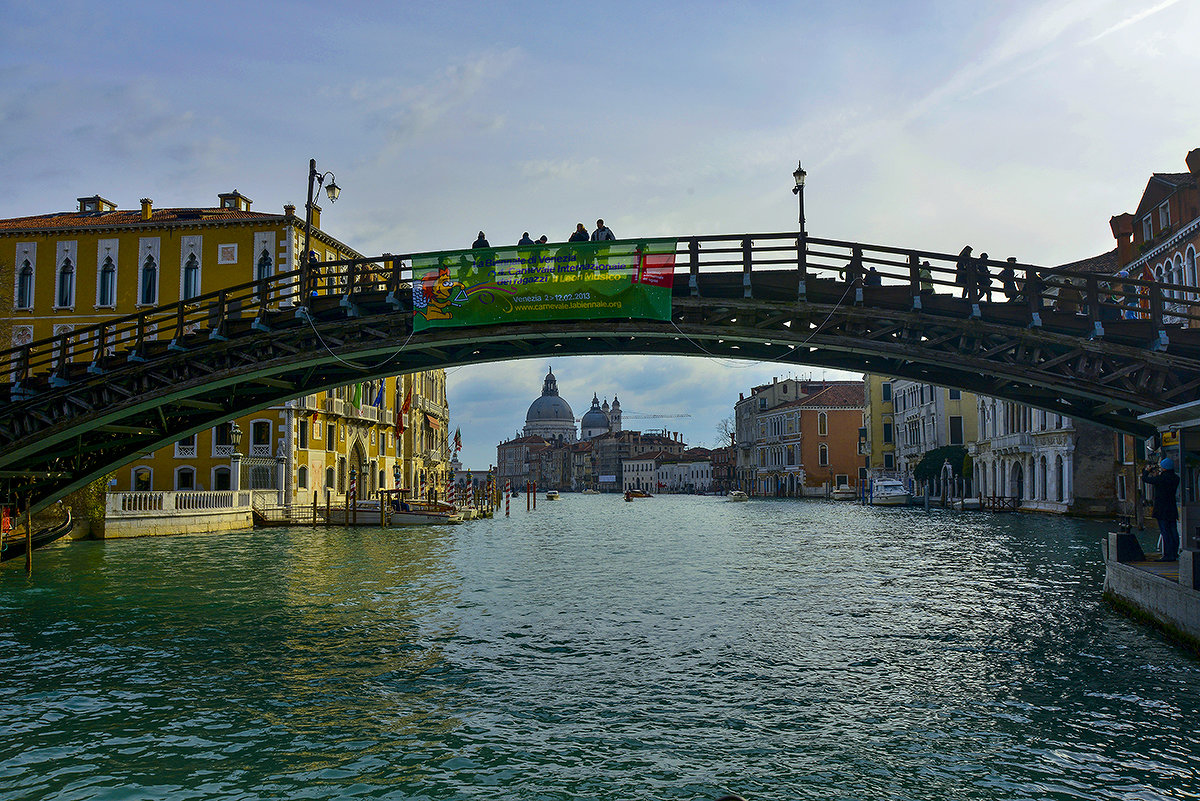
<point x="737" y="495"/>
<point x="636" y="493"/>
<point x="14" y="546"/>
<point x="888" y="491"/>
<point x="844" y="492"/>
<point x="552" y="495"/>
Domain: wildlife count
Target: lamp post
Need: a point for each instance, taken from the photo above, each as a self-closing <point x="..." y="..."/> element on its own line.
<point x="235" y="457"/>
<point x="332" y="191"/>
<point x="798" y="191"/>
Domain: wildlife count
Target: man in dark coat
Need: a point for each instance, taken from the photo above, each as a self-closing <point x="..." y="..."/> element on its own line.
<point x="1165" y="481"/>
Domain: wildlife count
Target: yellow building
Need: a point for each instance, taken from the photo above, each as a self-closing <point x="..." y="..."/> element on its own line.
<point x="880" y="446"/>
<point x="73" y="269"/>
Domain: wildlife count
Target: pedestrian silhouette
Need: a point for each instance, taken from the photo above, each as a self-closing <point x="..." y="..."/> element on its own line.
<point x="481" y="242"/>
<point x="964" y="273"/>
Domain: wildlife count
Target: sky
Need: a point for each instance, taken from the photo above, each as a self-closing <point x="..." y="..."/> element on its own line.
<point x="1018" y="127"/>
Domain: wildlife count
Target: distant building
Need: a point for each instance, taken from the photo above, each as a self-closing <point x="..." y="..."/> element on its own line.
<point x="927" y="417"/>
<point x="794" y="437"/>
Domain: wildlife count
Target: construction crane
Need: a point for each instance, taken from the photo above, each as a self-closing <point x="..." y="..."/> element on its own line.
<point x="642" y="416"/>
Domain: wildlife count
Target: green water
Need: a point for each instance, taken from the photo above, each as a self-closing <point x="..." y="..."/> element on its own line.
<point x="673" y="648"/>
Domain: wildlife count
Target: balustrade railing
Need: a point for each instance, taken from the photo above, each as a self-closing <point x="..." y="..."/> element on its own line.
<point x="125" y="504"/>
<point x="866" y="274"/>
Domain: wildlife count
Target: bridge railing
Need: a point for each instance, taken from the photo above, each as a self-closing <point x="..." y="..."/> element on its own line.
<point x="853" y="268"/>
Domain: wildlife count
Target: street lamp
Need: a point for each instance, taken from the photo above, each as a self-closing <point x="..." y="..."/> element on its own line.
<point x="235" y="436"/>
<point x="333" y="191"/>
<point x="798" y="191"/>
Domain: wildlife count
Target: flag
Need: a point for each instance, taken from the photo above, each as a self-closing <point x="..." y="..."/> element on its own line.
<point x="379" y="396"/>
<point x="457" y="440"/>
<point x="407" y="401"/>
<point x="357" y="399"/>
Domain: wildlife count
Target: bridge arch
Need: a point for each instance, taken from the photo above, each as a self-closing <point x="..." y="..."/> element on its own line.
<point x="80" y="406"/>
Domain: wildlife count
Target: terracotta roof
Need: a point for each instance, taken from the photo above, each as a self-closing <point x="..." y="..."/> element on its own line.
<point x="1105" y="263"/>
<point x="853" y="394"/>
<point x="1175" y="179"/>
<point x="121" y="217"/>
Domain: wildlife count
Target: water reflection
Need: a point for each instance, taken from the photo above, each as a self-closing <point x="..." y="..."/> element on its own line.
<point x="672" y="648"/>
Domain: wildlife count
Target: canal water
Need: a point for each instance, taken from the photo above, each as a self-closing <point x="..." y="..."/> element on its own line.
<point x="671" y="648"/>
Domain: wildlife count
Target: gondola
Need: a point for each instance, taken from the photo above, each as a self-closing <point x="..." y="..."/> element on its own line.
<point x="14" y="546"/>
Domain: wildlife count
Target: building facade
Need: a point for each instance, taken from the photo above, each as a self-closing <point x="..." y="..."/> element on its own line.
<point x="78" y="268"/>
<point x="927" y="417"/>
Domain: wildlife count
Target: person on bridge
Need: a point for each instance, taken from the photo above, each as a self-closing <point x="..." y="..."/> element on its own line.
<point x="1008" y="279"/>
<point x="525" y="240"/>
<point x="983" y="279"/>
<point x="580" y="235"/>
<point x="543" y="239"/>
<point x="964" y="273"/>
<point x="602" y="233"/>
<point x="481" y="242"/>
<point x="925" y="274"/>
<point x="1165" y="482"/>
<point x="872" y="278"/>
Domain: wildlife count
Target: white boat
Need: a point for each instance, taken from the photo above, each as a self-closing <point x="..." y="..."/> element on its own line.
<point x="552" y="495"/>
<point x="590" y="492"/>
<point x="844" y="493"/>
<point x="407" y="513"/>
<point x="887" y="491"/>
<point x="737" y="495"/>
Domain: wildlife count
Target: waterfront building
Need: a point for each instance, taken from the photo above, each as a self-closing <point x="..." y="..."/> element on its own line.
<point x="77" y="268"/>
<point x="689" y="472"/>
<point x="519" y="460"/>
<point x="724" y="468"/>
<point x="583" y="466"/>
<point x="613" y="449"/>
<point x="879" y="430"/>
<point x="794" y="437"/>
<point x="1049" y="462"/>
<point x="1158" y="242"/>
<point x="927" y="417"/>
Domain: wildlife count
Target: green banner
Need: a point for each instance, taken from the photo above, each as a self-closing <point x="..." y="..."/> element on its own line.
<point x="573" y="281"/>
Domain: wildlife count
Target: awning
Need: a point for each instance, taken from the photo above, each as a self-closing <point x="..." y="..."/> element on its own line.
<point x="434" y="423"/>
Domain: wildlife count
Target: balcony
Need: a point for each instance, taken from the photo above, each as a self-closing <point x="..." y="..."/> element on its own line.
<point x="1021" y="442"/>
<point x="308" y="403"/>
<point x="362" y="412"/>
<point x="335" y="407"/>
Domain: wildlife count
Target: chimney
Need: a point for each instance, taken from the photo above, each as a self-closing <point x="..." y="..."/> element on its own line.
<point x="289" y="210"/>
<point x="1193" y="163"/>
<point x="1122" y="231"/>
<point x="147" y="208"/>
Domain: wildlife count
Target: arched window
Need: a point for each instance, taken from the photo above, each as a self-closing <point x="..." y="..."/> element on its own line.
<point x="106" y="292"/>
<point x="822" y="424"/>
<point x="191" y="277"/>
<point x="823" y="455"/>
<point x="302" y="477"/>
<point x="185" y="479"/>
<point x="1189" y="269"/>
<point x="25" y="286"/>
<point x="221" y="478"/>
<point x="262" y="268"/>
<point x="149" y="282"/>
<point x="260" y="438"/>
<point x="1042" y="495"/>
<point x="329" y="478"/>
<point x="143" y="479"/>
<point x="1059" y="480"/>
<point x="66" y="284"/>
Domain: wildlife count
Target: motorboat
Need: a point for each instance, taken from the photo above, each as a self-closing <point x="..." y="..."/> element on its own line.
<point x="636" y="493"/>
<point x="552" y="495"/>
<point x="888" y="491"/>
<point x="590" y="492"/>
<point x="844" y="492"/>
<point x="737" y="495"/>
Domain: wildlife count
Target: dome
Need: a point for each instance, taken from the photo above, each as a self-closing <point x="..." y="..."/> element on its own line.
<point x="550" y="416"/>
<point x="594" y="418"/>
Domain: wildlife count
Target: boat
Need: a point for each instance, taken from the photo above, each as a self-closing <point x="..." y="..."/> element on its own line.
<point x="14" y="546"/>
<point x="552" y="495"/>
<point x="636" y="493"/>
<point x="888" y="491"/>
<point x="403" y="513"/>
<point x="737" y="495"/>
<point x="844" y="492"/>
<point x="590" y="492"/>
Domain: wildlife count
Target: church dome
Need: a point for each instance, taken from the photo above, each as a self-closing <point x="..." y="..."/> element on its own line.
<point x="550" y="416"/>
<point x="594" y="418"/>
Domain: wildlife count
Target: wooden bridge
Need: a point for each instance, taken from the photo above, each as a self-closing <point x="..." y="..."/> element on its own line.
<point x="86" y="402"/>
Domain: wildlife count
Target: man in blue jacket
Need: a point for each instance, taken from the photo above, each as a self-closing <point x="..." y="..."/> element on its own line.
<point x="1165" y="481"/>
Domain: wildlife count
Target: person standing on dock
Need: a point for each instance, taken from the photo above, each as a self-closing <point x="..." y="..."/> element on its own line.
<point x="1165" y="481"/>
